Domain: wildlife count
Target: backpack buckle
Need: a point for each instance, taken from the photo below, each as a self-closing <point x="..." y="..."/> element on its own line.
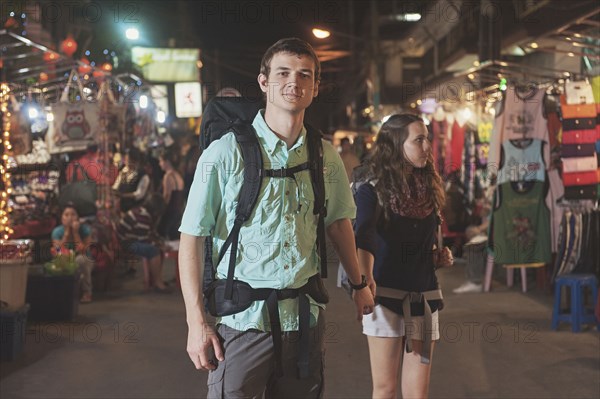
<point x="278" y="173"/>
<point x="321" y="211"/>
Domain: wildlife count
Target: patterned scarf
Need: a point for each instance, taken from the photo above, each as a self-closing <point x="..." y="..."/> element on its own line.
<point x="415" y="204"/>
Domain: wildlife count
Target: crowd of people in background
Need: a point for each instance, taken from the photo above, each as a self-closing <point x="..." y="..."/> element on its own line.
<point x="151" y="189"/>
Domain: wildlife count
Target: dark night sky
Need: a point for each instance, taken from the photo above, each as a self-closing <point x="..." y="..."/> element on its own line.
<point x="239" y="30"/>
<point x="233" y="35"/>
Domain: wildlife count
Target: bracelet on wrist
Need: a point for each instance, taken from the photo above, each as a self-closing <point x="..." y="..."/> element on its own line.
<point x="361" y="285"/>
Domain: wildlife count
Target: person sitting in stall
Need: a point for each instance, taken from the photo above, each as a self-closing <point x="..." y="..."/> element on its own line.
<point x="91" y="166"/>
<point x="137" y="232"/>
<point x="74" y="237"/>
<point x="132" y="183"/>
<point x="173" y="194"/>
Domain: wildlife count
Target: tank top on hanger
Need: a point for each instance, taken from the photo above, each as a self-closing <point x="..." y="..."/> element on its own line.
<point x="519" y="116"/>
<point x="523" y="161"/>
<point x="521" y="223"/>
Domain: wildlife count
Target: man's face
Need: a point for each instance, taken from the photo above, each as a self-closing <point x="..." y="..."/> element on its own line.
<point x="291" y="82"/>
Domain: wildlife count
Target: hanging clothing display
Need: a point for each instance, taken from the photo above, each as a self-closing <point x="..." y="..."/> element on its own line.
<point x="579" y="158"/>
<point x="518" y="116"/>
<point x="555" y="193"/>
<point x="482" y="140"/>
<point x="579" y="92"/>
<point x="580" y="178"/>
<point x="469" y="161"/>
<point x="578" y="150"/>
<point x="598" y="128"/>
<point x="579" y="251"/>
<point x="579" y="136"/>
<point x="580" y="164"/>
<point x="581" y="192"/>
<point x="596" y="89"/>
<point x="439" y="129"/>
<point x="457" y="145"/>
<point x="521" y="160"/>
<point x="521" y="223"/>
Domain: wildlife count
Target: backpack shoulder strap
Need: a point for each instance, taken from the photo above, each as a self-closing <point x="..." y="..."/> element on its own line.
<point x="245" y="136"/>
<point x="315" y="160"/>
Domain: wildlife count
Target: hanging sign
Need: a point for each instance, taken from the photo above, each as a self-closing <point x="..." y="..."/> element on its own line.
<point x="167" y="64"/>
<point x="188" y="100"/>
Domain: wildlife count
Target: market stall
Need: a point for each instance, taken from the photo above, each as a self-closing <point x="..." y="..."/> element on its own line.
<point x="65" y="124"/>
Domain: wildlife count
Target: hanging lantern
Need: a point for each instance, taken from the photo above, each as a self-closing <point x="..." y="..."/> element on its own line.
<point x="50" y="56"/>
<point x="83" y="69"/>
<point x="69" y="46"/>
<point x="43" y="77"/>
<point x="106" y="67"/>
<point x="99" y="75"/>
<point x="11" y="23"/>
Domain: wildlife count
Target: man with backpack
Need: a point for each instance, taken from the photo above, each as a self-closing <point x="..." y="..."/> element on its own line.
<point x="262" y="216"/>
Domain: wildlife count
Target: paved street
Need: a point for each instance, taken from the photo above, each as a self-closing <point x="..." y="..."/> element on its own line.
<point x="128" y="344"/>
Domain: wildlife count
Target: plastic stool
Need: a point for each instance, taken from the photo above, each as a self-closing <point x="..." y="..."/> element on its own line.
<point x="489" y="269"/>
<point x="578" y="314"/>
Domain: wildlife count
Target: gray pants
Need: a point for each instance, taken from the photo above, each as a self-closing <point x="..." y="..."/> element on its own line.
<point x="85" y="266"/>
<point x="248" y="368"/>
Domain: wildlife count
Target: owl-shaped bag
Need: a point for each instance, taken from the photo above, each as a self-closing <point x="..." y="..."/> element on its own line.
<point x="76" y="124"/>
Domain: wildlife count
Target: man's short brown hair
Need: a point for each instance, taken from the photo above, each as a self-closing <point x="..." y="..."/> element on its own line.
<point x="291" y="45"/>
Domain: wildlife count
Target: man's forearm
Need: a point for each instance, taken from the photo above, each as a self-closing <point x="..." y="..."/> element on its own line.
<point x="341" y="234"/>
<point x="191" y="275"/>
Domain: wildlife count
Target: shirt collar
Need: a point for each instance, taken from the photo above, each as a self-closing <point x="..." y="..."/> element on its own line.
<point x="268" y="138"/>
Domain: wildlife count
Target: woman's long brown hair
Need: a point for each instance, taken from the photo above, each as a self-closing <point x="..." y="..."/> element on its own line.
<point x="393" y="172"/>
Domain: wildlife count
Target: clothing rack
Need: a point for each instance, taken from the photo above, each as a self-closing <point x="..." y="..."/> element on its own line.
<point x="484" y="78"/>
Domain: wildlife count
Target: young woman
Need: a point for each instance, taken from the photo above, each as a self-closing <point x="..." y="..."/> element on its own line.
<point x="173" y="194"/>
<point x="137" y="232"/>
<point x="73" y="236"/>
<point x="133" y="183"/>
<point x="396" y="228"/>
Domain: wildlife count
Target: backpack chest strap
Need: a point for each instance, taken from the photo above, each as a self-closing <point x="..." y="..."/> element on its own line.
<point x="287" y="172"/>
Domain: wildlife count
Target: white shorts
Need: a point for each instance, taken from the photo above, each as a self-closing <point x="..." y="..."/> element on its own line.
<point x="385" y="323"/>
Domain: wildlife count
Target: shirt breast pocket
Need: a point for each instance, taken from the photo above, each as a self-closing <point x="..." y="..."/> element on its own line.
<point x="307" y="203"/>
<point x="267" y="211"/>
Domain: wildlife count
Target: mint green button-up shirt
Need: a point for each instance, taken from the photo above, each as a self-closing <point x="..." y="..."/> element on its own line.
<point x="277" y="246"/>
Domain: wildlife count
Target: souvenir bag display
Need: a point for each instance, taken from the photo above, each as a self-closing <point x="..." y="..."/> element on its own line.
<point x="77" y="124"/>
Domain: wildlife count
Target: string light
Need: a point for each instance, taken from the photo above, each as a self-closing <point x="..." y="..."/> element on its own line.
<point x="5" y="230"/>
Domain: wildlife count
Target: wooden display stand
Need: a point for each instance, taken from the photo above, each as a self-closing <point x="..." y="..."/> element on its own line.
<point x="53" y="298"/>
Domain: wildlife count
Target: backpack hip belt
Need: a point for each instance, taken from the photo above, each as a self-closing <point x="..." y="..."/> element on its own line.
<point x="243" y="295"/>
<point x="407" y="298"/>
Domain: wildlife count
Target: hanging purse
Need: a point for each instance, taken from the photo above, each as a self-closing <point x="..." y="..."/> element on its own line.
<point x="75" y="125"/>
<point x="81" y="193"/>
